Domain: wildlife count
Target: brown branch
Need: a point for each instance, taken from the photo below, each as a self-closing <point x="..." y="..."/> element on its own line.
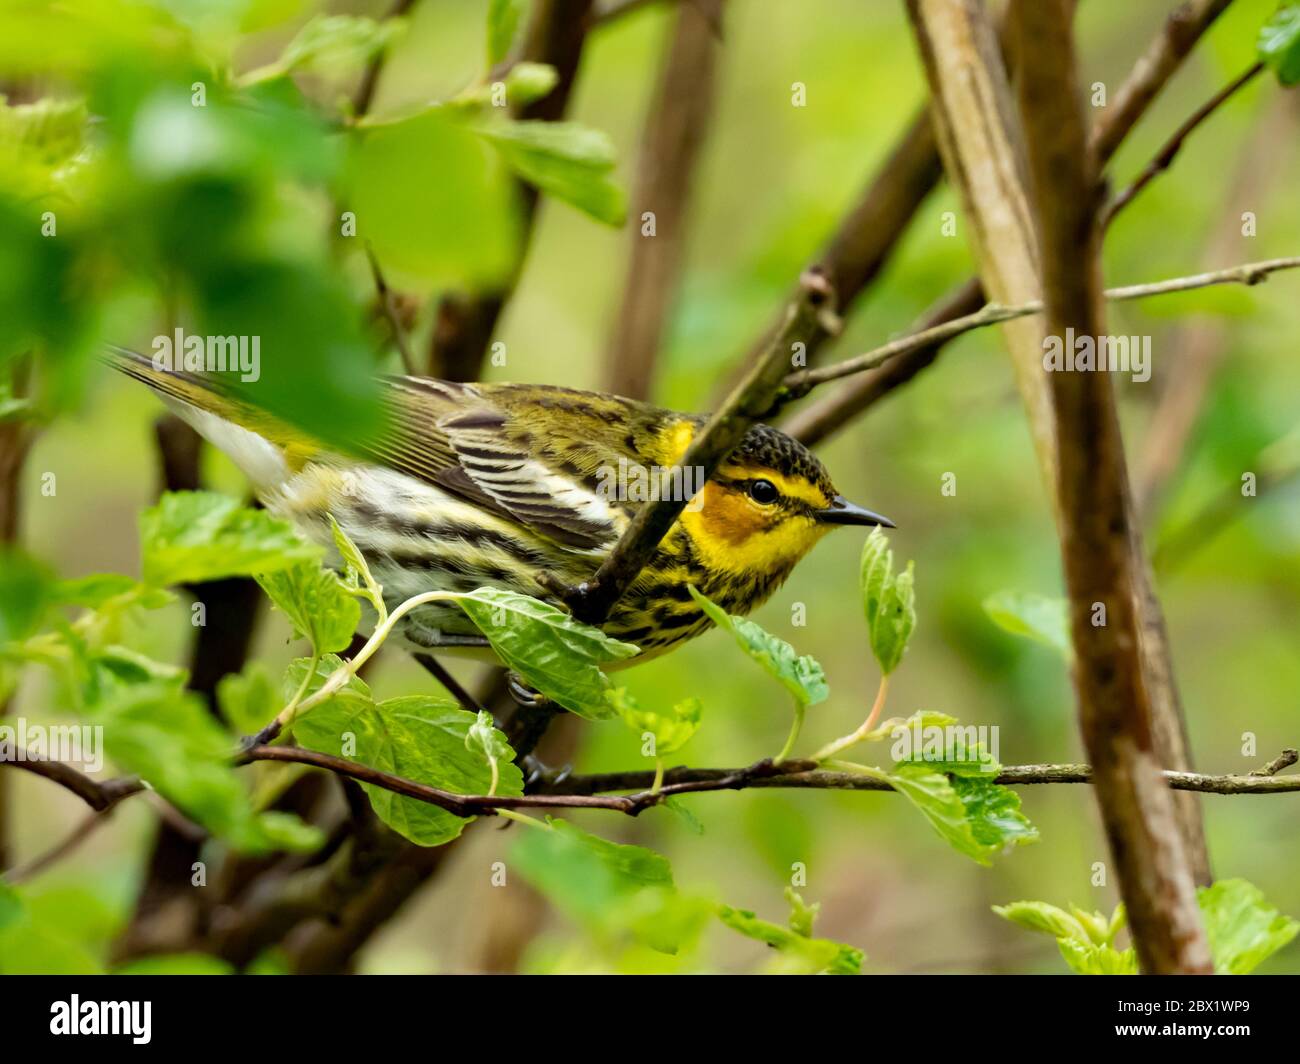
<point x="1155" y="875"/>
<point x="464" y="322"/>
<point x="675" y="129"/>
<point x="1179" y="34"/>
<point x="1248" y="273"/>
<point x="100" y="796"/>
<point x="984" y="158"/>
<point x="16" y="437"/>
<point x="751" y="400"/>
<point x="365" y="94"/>
<point x="388" y="306"/>
<point x="592" y="791"/>
<point x="1164" y="158"/>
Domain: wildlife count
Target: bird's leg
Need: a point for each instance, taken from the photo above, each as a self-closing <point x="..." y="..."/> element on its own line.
<point x="524" y="695"/>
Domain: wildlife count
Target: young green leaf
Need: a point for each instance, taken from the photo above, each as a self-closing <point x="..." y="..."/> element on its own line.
<point x="1040" y="916"/>
<point x="484" y="738"/>
<point x="356" y="573"/>
<point x="802" y="915"/>
<point x="975" y="816"/>
<point x="319" y="606"/>
<point x="564" y="160"/>
<point x="193" y="536"/>
<point x="1045" y="620"/>
<point x="672" y="728"/>
<point x="434" y="203"/>
<point x="502" y="26"/>
<point x="799" y="954"/>
<point x="555" y="654"/>
<point x="27" y="589"/>
<point x="419" y="738"/>
<point x="1087" y="959"/>
<point x="248" y="700"/>
<point x="336" y="44"/>
<point x="1243" y="928"/>
<point x="355" y="694"/>
<point x="1279" y="43"/>
<point x="888" y="600"/>
<point x="801" y="676"/>
<point x="168" y="738"/>
<point x="607" y="887"/>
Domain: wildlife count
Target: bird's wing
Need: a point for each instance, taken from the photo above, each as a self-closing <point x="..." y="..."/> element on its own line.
<point x="457" y="437"/>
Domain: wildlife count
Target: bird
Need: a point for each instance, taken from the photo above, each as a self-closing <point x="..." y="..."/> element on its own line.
<point x="526" y="488"/>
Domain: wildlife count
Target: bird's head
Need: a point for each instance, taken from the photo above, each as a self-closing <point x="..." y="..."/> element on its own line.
<point x="766" y="507"/>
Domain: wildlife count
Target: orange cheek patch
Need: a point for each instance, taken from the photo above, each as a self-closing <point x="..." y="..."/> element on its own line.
<point x="726" y="516"/>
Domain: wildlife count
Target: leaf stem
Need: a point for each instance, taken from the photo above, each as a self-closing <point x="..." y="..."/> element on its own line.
<point x="795" y="728"/>
<point x="658" y="783"/>
<point x="854" y="737"/>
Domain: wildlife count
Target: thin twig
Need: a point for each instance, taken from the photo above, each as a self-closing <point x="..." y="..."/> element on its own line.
<point x="1250" y="273"/>
<point x="1178" y="35"/>
<point x="1164" y="158"/>
<point x="388" y="306"/>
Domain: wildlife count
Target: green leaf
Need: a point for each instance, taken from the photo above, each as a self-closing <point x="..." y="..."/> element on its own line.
<point x="527" y="82"/>
<point x="799" y="954"/>
<point x="26" y="591"/>
<point x="801" y="676"/>
<point x="502" y="26"/>
<point x="484" y="738"/>
<point x="338" y="44"/>
<point x="993" y="812"/>
<point x="1087" y="959"/>
<point x="356" y="573"/>
<point x="11" y="908"/>
<point x="50" y="130"/>
<point x="607" y="887"/>
<point x="193" y="536"/>
<point x="355" y="694"/>
<point x="169" y="739"/>
<point x="1038" y="617"/>
<point x="418" y="738"/>
<point x="888" y="602"/>
<point x="317" y="603"/>
<point x="176" y="964"/>
<point x="1040" y="916"/>
<point x="1243" y="929"/>
<point x="802" y="916"/>
<point x="98" y="590"/>
<point x="672" y="729"/>
<point x="42" y="146"/>
<point x="248" y="700"/>
<point x="564" y="160"/>
<point x="36" y="943"/>
<point x="975" y="816"/>
<point x="1279" y="43"/>
<point x="433" y="201"/>
<point x="555" y="654"/>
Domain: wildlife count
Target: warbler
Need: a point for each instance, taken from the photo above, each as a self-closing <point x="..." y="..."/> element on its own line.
<point x="517" y="486"/>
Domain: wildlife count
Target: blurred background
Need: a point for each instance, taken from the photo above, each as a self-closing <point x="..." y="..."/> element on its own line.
<point x="767" y="189"/>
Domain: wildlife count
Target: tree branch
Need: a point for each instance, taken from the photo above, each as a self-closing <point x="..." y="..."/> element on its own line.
<point x="1115" y="714"/>
<point x="1248" y="273"/>
<point x="1178" y="36"/>
<point x="675" y="129"/>
<point x="1164" y="158"/>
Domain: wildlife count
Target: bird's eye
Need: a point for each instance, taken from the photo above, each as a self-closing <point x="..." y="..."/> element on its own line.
<point x="763" y="492"/>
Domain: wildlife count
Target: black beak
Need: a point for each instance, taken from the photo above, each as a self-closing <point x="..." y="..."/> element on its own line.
<point x="843" y="512"/>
